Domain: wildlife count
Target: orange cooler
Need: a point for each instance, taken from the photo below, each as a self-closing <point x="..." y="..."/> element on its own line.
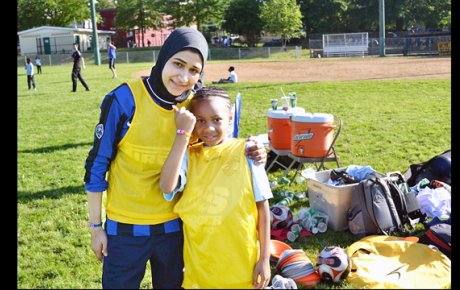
<point x="279" y="127"/>
<point x="311" y="134"/>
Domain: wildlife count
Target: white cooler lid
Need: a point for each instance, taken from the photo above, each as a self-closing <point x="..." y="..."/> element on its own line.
<point x="296" y="110"/>
<point x="313" y="118"/>
<point x="282" y="114"/>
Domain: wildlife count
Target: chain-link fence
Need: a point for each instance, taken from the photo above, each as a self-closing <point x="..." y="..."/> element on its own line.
<point x="143" y="55"/>
<point x="397" y="45"/>
<point x="420" y="45"/>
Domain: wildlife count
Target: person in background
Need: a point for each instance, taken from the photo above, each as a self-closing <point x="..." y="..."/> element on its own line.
<point x="135" y="132"/>
<point x="29" y="67"/>
<point x="38" y="64"/>
<point x="224" y="204"/>
<point x="78" y="63"/>
<point x="232" y="78"/>
<point x="111" y="51"/>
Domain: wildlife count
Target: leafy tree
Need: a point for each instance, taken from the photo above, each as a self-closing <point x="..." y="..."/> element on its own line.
<point x="242" y="17"/>
<point x="35" y="13"/>
<point x="323" y="16"/>
<point x="447" y="20"/>
<point x="189" y="12"/>
<point x="282" y="17"/>
<point x="394" y="19"/>
<point x="362" y="15"/>
<point x="101" y="4"/>
<point x="138" y="14"/>
<point x="429" y="13"/>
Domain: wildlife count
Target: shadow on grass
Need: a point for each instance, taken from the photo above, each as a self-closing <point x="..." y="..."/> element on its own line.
<point x="55" y="193"/>
<point x="55" y="148"/>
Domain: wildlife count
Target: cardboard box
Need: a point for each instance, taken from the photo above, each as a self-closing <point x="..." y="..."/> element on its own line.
<point x="332" y="200"/>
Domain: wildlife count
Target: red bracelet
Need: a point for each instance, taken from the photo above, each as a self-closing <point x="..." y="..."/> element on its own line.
<point x="183" y="132"/>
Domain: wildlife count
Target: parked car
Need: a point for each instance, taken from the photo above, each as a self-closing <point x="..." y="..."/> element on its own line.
<point x="273" y="42"/>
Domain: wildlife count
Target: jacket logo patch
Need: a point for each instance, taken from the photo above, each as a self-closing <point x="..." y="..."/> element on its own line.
<point x="99" y="131"/>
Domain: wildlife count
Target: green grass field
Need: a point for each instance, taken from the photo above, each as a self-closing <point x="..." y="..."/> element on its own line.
<point x="386" y="124"/>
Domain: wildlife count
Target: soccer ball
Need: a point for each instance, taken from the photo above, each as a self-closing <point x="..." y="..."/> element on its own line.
<point x="333" y="264"/>
<point x="280" y="217"/>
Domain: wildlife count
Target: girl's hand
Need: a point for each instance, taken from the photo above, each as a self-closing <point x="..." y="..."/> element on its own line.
<point x="99" y="242"/>
<point x="261" y="274"/>
<point x="256" y="150"/>
<point x="184" y="119"/>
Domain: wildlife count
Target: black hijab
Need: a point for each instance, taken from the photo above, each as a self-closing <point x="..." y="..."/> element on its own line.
<point x="180" y="39"/>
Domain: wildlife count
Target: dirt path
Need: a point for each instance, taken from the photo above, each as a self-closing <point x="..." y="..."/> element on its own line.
<point x="370" y="68"/>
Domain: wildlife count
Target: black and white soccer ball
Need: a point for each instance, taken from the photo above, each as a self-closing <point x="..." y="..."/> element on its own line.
<point x="333" y="264"/>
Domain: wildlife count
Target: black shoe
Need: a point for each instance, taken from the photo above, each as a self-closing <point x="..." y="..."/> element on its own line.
<point x="88" y="89"/>
<point x="342" y="177"/>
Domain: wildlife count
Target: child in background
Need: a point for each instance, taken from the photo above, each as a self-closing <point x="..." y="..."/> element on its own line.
<point x="112" y="53"/>
<point x="38" y="64"/>
<point x="232" y="77"/>
<point x="224" y="202"/>
<point x="29" y="67"/>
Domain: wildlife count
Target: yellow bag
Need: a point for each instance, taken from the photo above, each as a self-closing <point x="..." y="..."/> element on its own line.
<point x="386" y="262"/>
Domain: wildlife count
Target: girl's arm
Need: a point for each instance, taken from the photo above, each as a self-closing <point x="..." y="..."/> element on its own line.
<point x="98" y="235"/>
<point x="261" y="275"/>
<point x="185" y="121"/>
<point x="83" y="62"/>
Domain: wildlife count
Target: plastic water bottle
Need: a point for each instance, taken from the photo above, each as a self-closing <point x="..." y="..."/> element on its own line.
<point x="285" y="201"/>
<point x="294" y="233"/>
<point x="299" y="179"/>
<point x="293" y="99"/>
<point x="322" y="227"/>
<point x="274" y="104"/>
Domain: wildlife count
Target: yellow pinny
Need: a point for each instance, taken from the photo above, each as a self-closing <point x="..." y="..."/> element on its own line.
<point x="220" y="218"/>
<point x="134" y="194"/>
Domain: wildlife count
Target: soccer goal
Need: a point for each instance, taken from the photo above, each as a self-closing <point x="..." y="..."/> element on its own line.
<point x="345" y="44"/>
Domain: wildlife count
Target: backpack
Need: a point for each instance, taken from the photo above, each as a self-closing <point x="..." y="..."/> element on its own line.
<point x="405" y="200"/>
<point x="437" y="168"/>
<point x="372" y="209"/>
<point x="438" y="235"/>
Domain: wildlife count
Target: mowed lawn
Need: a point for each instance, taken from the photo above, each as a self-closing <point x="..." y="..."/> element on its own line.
<point x="386" y="124"/>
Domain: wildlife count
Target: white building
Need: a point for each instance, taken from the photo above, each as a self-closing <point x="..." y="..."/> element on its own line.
<point x="52" y="40"/>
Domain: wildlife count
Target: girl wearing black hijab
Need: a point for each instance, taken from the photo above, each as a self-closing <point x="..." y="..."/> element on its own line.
<point x="134" y="135"/>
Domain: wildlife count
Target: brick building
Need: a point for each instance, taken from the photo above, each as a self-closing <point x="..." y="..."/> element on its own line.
<point x="123" y="38"/>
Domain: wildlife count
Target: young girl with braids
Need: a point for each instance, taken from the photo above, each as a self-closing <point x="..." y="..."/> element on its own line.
<point x="224" y="199"/>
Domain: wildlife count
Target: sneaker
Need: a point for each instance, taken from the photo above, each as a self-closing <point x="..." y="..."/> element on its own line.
<point x="341" y="177"/>
<point x="88" y="89"/>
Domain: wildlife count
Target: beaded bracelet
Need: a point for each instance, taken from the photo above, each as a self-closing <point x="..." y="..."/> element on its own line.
<point x="91" y="225"/>
<point x="183" y="132"/>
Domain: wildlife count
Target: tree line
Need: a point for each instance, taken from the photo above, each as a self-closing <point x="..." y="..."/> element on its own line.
<point x="248" y="18"/>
